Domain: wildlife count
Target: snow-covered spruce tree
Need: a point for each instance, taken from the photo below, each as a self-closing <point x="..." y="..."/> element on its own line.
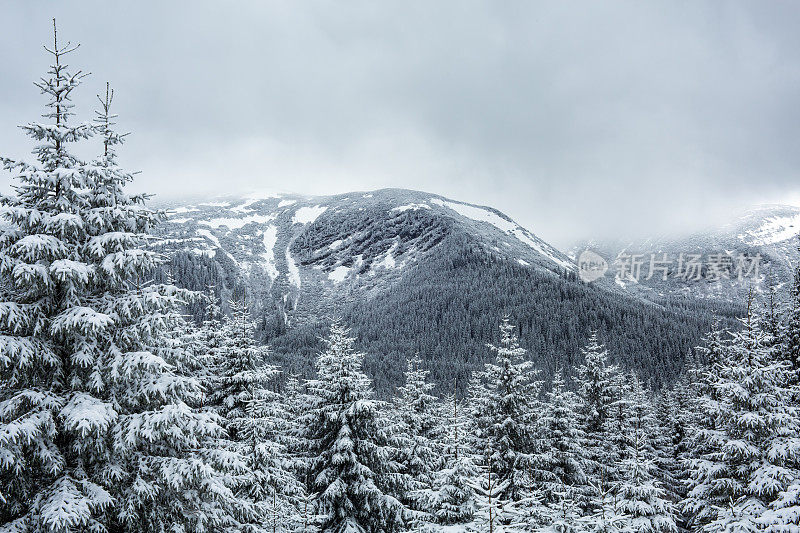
<point x="239" y="369"/>
<point x="271" y="483"/>
<point x="783" y="515"/>
<point x="352" y="466"/>
<point x="606" y="516"/>
<point x="598" y="383"/>
<point x="750" y="456"/>
<point x="253" y="418"/>
<point x="564" y="516"/>
<point x="293" y="402"/>
<point x="790" y="349"/>
<point x="453" y="499"/>
<point x="619" y="436"/>
<point x="562" y="452"/>
<point x="669" y="441"/>
<point x="639" y="496"/>
<point x="503" y="410"/>
<point x="208" y="338"/>
<point x="416" y="410"/>
<point x="97" y="431"/>
<point x="495" y="513"/>
<point x="703" y="493"/>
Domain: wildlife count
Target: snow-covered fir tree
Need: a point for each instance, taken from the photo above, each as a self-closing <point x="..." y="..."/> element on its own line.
<point x="703" y="437"/>
<point x="352" y="458"/>
<point x="598" y="383"/>
<point x="503" y="409"/>
<point x="562" y="454"/>
<point x="253" y="418"/>
<point x="669" y="441"/>
<point x="97" y="425"/>
<point x="453" y="499"/>
<point x="495" y="512"/>
<point x="790" y="332"/>
<point x="416" y="410"/>
<point x="605" y="516"/>
<point x="747" y="458"/>
<point x="639" y="496"/>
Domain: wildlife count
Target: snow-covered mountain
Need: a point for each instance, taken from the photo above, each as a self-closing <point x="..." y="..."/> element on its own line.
<point x="761" y="244"/>
<point x="413" y="272"/>
<point x="298" y="247"/>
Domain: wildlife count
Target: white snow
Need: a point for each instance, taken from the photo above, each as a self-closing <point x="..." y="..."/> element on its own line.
<point x="307" y="215"/>
<point x="216" y="204"/>
<point x="338" y="274"/>
<point x="523" y="262"/>
<point x="253" y="198"/>
<point x="479" y="214"/>
<point x="366" y="196"/>
<point x="294" y="272"/>
<point x="335" y="244"/>
<point x="284" y="203"/>
<point x="270" y="238"/>
<point x="236" y="223"/>
<point x="210" y="236"/>
<point x="179" y="220"/>
<point x="64" y="269"/>
<point x="388" y="262"/>
<point x="542" y="248"/>
<point x="506" y="226"/>
<point x="85" y="414"/>
<point x="179" y="210"/>
<point x="245" y="205"/>
<point x="774" y="230"/>
<point x="213" y="238"/>
<point x="411" y="206"/>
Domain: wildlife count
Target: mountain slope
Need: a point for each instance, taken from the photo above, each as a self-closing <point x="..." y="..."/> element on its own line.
<point x="764" y="239"/>
<point x="415" y="272"/>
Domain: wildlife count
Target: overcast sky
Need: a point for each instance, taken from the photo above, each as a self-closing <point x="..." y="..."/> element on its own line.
<point x="575" y="118"/>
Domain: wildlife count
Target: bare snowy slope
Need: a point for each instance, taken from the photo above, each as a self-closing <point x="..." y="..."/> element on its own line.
<point x="297" y="246"/>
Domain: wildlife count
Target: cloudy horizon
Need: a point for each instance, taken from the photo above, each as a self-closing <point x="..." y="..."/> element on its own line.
<point x="579" y="120"/>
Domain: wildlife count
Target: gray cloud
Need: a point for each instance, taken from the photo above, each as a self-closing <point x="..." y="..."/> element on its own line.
<point x="575" y="118"/>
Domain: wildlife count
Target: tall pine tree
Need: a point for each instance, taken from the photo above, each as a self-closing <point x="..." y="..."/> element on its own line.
<point x="97" y="422"/>
<point x="352" y="466"/>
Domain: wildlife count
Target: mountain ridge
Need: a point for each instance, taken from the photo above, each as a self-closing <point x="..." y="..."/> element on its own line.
<point x="416" y="272"/>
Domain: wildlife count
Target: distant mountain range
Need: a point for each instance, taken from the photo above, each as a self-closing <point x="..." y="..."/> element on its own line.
<point x="416" y="272"/>
<point x="755" y="250"/>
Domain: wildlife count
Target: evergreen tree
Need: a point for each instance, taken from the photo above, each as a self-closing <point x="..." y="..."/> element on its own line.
<point x="253" y="418"/>
<point x="606" y="516"/>
<point x="790" y="350"/>
<point x="351" y="464"/>
<point x="748" y="456"/>
<point x="640" y="497"/>
<point x="598" y="384"/>
<point x="416" y="410"/>
<point x="703" y="494"/>
<point x="562" y="453"/>
<point x="495" y="513"/>
<point x="504" y="414"/>
<point x="97" y="426"/>
<point x="669" y="443"/>
<point x="454" y="498"/>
